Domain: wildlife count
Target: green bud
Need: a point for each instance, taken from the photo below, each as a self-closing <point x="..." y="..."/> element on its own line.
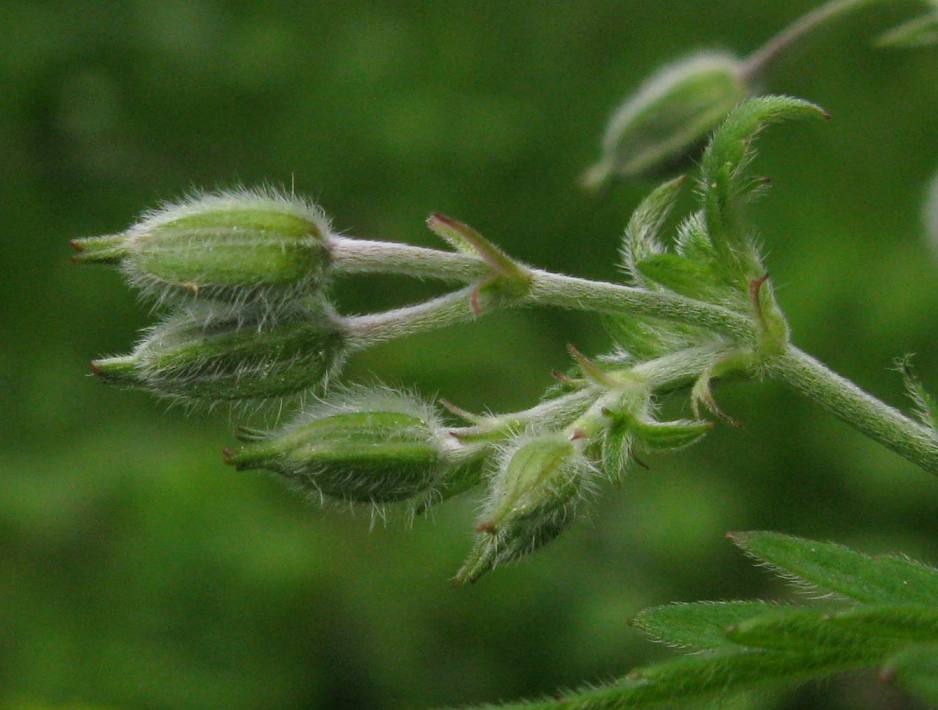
<point x="532" y="500"/>
<point x="240" y="247"/>
<point x="669" y="117"/>
<point x="368" y="447"/>
<point x="238" y="354"/>
<point x="452" y="482"/>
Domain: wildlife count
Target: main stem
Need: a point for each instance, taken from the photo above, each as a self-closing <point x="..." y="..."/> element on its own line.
<point x="841" y="397"/>
<point x="356" y="256"/>
<point x="857" y="408"/>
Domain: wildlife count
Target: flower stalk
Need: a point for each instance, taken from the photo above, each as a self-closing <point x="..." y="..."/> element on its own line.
<point x="249" y="275"/>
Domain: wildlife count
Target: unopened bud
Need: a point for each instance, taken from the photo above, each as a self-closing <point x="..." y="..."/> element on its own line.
<point x="532" y="500"/>
<point x="204" y="355"/>
<point x="238" y="247"/>
<point x="669" y="117"/>
<point x="378" y="448"/>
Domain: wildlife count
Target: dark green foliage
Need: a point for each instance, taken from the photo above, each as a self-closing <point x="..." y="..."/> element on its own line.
<point x="753" y="645"/>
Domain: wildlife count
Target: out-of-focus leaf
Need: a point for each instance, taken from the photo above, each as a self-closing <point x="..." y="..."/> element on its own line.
<point x="698" y="626"/>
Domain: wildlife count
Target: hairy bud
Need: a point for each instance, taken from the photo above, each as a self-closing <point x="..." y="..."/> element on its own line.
<point x="368" y="446"/>
<point x="237" y="354"/>
<point x="532" y="500"/>
<point x="240" y="247"/>
<point x="669" y="117"/>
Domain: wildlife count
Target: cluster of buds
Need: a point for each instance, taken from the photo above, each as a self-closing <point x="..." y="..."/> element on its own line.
<point x="246" y="276"/>
<point x="244" y="273"/>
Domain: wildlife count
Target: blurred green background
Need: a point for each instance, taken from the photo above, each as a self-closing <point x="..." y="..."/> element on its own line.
<point x="138" y="571"/>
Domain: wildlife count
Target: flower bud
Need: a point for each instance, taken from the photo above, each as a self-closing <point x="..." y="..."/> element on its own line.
<point x="669" y="117"/>
<point x="532" y="500"/>
<point x="377" y="447"/>
<point x="241" y="247"/>
<point x="237" y="354"/>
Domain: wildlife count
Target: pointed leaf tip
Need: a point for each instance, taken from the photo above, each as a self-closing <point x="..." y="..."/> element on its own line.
<point x="888" y="579"/>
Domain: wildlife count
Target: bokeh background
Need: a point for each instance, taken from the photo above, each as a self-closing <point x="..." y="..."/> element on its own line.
<point x="138" y="571"/>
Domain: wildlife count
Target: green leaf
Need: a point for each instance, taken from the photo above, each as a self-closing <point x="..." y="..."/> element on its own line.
<point x="641" y="235"/>
<point x="916" y="670"/>
<point x="697" y="626"/>
<point x="926" y="408"/>
<point x="465" y="239"/>
<point x="882" y="580"/>
<point x="699" y="677"/>
<point x="723" y="181"/>
<point x="616" y="446"/>
<point x="803" y="630"/>
<point x="694" y="279"/>
<point x="906" y="623"/>
<point x="692" y="241"/>
<point x="648" y="338"/>
<point x="668" y="436"/>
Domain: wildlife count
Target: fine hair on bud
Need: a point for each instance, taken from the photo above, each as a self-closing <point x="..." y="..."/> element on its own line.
<point x="661" y="125"/>
<point x="241" y="246"/>
<point x="214" y="353"/>
<point x="533" y="496"/>
<point x="357" y="445"/>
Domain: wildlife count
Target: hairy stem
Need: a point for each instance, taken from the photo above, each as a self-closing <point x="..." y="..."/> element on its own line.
<point x="664" y="374"/>
<point x="364" y="331"/>
<point x="550" y="414"/>
<point x="546" y="289"/>
<point x="836" y="394"/>
<point x="365" y="256"/>
<point x="562" y="291"/>
<point x="860" y="410"/>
